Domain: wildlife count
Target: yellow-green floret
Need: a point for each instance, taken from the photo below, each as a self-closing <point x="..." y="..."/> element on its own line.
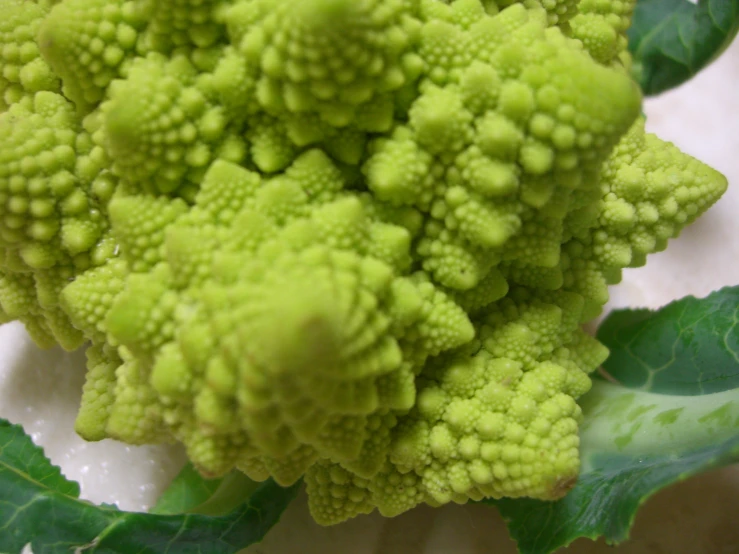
<point x="252" y="308"/>
<point x="350" y="241"/>
<point x="23" y="72"/>
<point x="53" y="224"/>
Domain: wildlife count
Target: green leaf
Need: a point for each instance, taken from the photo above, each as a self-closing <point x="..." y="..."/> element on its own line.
<point x="672" y="40"/>
<point x="39" y="506"/>
<point x="689" y="347"/>
<point x="192" y="493"/>
<point x="672" y="413"/>
<point x="185" y="492"/>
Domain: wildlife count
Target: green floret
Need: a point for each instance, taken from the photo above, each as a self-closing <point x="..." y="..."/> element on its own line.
<point x="23" y="71"/>
<point x="601" y="26"/>
<point x="465" y="11"/>
<point x="160" y="129"/>
<point x="139" y="223"/>
<point x="90" y="296"/>
<point x="181" y="25"/>
<point x="87" y="43"/>
<point x="650" y="192"/>
<point x="312" y="88"/>
<point x="47" y="4"/>
<point x="492" y="141"/>
<point x="498" y="418"/>
<point x="328" y="56"/>
<point x="253" y="267"/>
<point x="52" y="225"/>
<point x="99" y="389"/>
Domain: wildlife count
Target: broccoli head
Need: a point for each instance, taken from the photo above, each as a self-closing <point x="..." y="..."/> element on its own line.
<point x="353" y="241"/>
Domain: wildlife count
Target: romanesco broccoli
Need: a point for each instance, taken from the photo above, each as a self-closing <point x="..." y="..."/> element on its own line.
<point x="353" y="241"/>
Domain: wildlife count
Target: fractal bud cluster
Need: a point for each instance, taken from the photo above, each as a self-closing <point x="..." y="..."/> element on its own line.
<point x="349" y="241"/>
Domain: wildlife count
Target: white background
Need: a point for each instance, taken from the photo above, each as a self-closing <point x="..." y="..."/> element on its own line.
<point x="41" y="390"/>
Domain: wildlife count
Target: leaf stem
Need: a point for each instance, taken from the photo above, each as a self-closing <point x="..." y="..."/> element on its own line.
<point x="627" y="421"/>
